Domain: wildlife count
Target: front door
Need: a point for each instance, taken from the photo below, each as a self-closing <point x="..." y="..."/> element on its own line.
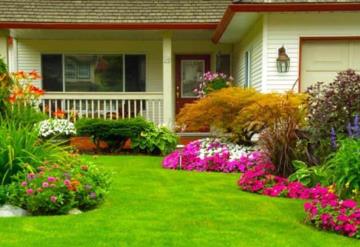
<point x="189" y="70"/>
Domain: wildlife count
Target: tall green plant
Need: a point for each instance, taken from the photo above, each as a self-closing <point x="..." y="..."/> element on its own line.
<point x="21" y="149"/>
<point x="343" y="168"/>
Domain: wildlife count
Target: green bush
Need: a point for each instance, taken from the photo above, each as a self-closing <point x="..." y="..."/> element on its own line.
<point x="309" y="176"/>
<point x="3" y="194"/>
<point x="113" y="132"/>
<point x="55" y="189"/>
<point x="19" y="146"/>
<point x="343" y="168"/>
<point x="22" y="116"/>
<point x="155" y="140"/>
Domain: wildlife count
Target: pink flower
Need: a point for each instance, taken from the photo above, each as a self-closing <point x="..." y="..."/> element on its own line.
<point x="53" y="199"/>
<point x="31" y="176"/>
<point x="348" y="204"/>
<point x="24" y="184"/>
<point x="67" y="182"/>
<point x="29" y="191"/>
<point x="51" y="179"/>
<point x="45" y="184"/>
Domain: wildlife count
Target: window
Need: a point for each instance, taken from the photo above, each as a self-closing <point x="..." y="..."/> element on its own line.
<point x="247" y="69"/>
<point x="223" y="64"/>
<point x="94" y="73"/>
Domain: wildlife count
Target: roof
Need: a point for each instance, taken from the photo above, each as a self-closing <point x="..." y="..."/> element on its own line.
<point x="113" y="11"/>
<point x="296" y="1"/>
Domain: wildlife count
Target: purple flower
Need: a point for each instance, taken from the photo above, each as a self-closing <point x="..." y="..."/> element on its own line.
<point x="333" y="138"/>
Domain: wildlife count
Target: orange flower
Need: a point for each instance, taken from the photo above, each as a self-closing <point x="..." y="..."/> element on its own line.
<point x="35" y="90"/>
<point x="59" y="113"/>
<point x="12" y="99"/>
<point x="34" y="75"/>
<point x="20" y="75"/>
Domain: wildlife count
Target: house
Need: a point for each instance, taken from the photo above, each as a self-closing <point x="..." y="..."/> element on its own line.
<point x="121" y="58"/>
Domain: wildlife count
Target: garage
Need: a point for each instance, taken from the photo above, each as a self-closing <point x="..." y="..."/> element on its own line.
<point x="322" y="59"/>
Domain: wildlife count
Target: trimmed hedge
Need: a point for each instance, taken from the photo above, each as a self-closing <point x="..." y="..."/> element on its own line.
<point x="113" y="132"/>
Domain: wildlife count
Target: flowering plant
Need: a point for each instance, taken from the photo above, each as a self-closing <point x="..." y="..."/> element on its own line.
<point x="55" y="189"/>
<point x="330" y="213"/>
<point x="22" y="90"/>
<point x="56" y="127"/>
<point x="211" y="82"/>
<point x="212" y="154"/>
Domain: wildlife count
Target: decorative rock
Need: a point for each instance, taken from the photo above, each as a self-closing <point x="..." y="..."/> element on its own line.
<point x="12" y="211"/>
<point x="75" y="211"/>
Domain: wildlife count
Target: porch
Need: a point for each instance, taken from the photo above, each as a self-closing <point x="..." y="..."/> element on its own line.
<point x="151" y="84"/>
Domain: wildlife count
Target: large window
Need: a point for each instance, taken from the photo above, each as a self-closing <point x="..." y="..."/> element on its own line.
<point x="93" y="73"/>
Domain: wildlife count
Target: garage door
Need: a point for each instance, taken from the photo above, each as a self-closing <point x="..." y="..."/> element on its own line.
<point x="321" y="60"/>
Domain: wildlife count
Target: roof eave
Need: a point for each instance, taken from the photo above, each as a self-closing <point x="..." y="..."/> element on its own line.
<point x="108" y="26"/>
<point x="277" y="7"/>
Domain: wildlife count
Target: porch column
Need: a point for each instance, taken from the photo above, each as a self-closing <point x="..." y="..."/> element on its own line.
<point x="3" y="46"/>
<point x="168" y="87"/>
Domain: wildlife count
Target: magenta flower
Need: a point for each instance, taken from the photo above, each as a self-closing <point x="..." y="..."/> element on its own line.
<point x="51" y="179"/>
<point x="349" y="204"/>
<point x="29" y="191"/>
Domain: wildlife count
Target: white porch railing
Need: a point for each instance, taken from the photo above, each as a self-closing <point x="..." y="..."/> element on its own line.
<point x="104" y="105"/>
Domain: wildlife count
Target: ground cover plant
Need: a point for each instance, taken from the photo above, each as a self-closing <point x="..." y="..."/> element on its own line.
<point x="212" y="154"/>
<point x="172" y="208"/>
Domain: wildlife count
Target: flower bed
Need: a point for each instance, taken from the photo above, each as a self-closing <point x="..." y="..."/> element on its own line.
<point x="212" y="154"/>
<point x="325" y="211"/>
<point x="56" y="127"/>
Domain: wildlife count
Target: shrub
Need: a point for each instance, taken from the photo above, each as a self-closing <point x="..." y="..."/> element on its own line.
<point x="155" y="140"/>
<point x="20" y="146"/>
<point x="309" y="175"/>
<point x="55" y="189"/>
<point x="3" y="194"/>
<point x="113" y="132"/>
<point x="220" y="110"/>
<point x="212" y="155"/>
<point x="56" y="128"/>
<point x="212" y="82"/>
<point x="343" y="168"/>
<point x="332" y="106"/>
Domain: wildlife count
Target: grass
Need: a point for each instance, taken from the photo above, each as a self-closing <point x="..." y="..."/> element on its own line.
<point x="150" y="206"/>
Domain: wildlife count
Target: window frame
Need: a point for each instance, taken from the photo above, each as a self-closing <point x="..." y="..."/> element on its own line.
<point x="63" y="55"/>
<point x="247" y="69"/>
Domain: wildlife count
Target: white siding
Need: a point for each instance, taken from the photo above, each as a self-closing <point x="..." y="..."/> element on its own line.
<point x="252" y="42"/>
<point x="287" y="28"/>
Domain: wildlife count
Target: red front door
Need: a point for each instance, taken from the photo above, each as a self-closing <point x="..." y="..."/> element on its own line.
<point x="189" y="70"/>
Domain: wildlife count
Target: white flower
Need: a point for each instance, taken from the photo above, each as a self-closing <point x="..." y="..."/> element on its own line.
<point x="56" y="127"/>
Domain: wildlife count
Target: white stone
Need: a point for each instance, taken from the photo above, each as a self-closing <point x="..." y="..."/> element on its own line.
<point x="75" y="211"/>
<point x="12" y="211"/>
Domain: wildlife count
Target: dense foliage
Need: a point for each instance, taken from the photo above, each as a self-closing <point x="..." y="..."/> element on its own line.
<point x="20" y="146"/>
<point x="113" y="132"/>
<point x="332" y="106"/>
<point x="155" y="140"/>
<point x="145" y="136"/>
<point x="56" y="189"/>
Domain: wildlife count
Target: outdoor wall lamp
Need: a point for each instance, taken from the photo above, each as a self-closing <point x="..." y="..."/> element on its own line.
<point x="283" y="61"/>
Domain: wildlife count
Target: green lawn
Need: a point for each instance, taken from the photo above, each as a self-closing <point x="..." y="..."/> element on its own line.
<point x="150" y="206"/>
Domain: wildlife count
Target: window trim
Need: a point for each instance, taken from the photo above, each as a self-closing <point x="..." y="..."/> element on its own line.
<point x="247" y="69"/>
<point x="96" y="54"/>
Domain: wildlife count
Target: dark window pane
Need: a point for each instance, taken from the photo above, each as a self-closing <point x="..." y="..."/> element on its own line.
<point x="94" y="73"/>
<point x="223" y="64"/>
<point x="135" y="73"/>
<point x="51" y="67"/>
